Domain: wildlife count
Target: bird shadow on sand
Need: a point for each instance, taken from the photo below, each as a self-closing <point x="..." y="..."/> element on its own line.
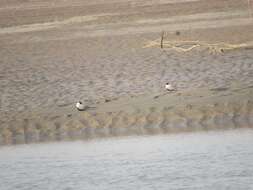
<point x="65" y="105"/>
<point x="86" y="108"/>
<point x="163" y="94"/>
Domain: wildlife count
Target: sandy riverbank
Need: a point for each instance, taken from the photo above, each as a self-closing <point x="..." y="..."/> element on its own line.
<point x="169" y="112"/>
<point x="94" y="53"/>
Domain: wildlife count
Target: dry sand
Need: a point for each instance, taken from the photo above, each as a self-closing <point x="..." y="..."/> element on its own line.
<point x="54" y="53"/>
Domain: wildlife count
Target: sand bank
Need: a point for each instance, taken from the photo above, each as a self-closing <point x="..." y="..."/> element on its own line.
<point x="54" y="53"/>
<point x="184" y="111"/>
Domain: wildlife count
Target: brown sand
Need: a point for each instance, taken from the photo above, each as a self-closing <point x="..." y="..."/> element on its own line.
<point x="54" y="53"/>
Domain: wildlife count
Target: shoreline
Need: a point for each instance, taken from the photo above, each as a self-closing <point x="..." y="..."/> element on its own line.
<point x="164" y="113"/>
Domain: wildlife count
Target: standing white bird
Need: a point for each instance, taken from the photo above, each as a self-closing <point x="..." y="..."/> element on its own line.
<point x="80" y="106"/>
<point x="169" y="87"/>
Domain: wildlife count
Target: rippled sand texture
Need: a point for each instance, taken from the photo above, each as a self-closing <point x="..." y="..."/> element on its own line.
<point x="54" y="53"/>
<point x="163" y="114"/>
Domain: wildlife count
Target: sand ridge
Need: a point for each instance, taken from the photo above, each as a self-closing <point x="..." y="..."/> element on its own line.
<point x="243" y="15"/>
<point x="143" y="115"/>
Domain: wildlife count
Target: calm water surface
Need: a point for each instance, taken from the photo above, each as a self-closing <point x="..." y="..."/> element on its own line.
<point x="213" y="160"/>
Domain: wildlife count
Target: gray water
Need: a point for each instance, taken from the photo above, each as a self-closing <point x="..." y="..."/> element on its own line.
<point x="206" y="160"/>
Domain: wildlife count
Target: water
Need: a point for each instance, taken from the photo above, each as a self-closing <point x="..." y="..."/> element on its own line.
<point x="213" y="160"/>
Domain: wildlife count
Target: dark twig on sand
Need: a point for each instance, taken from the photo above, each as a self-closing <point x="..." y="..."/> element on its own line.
<point x="162" y="37"/>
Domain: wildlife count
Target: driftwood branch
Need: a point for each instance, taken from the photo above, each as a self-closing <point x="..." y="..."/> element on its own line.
<point x="162" y="36"/>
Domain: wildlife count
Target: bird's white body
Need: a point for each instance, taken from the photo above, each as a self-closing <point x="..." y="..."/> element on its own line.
<point x="169" y="87"/>
<point x="80" y="106"/>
